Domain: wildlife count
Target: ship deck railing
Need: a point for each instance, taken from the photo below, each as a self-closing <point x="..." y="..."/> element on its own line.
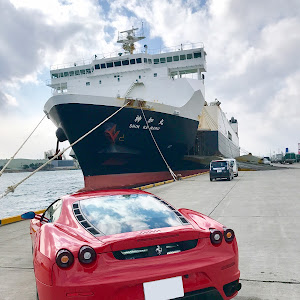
<point x="84" y="62"/>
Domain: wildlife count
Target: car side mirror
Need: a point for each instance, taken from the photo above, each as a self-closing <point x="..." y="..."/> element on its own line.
<point x="28" y="215"/>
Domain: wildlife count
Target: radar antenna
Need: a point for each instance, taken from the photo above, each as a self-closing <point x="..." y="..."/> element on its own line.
<point x="128" y="38"/>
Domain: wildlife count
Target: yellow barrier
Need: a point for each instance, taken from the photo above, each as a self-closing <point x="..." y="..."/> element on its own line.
<point x="14" y="219"/>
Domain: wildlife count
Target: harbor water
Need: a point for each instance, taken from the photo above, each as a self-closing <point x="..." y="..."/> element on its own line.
<point x="37" y="192"/>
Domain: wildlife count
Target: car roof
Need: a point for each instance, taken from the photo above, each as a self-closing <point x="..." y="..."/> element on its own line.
<point x="220" y="160"/>
<point x="228" y="158"/>
<point x="99" y="193"/>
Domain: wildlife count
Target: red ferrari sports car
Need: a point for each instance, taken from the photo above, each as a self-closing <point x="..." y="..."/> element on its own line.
<point x="130" y="244"/>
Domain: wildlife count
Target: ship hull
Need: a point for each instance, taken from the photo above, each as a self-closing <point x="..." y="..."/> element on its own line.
<point x="214" y="143"/>
<point x="122" y="152"/>
<point x="129" y="180"/>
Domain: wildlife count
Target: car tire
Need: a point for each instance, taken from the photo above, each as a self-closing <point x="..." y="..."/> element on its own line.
<point x="211" y="179"/>
<point x="229" y="178"/>
<point x="37" y="294"/>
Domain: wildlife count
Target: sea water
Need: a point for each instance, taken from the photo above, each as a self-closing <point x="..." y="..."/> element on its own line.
<point x="37" y="192"/>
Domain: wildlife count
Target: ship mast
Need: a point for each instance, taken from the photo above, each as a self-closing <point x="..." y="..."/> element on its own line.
<point x="128" y="38"/>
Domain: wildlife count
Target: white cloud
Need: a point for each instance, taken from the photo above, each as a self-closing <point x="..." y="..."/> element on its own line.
<point x="252" y="49"/>
<point x="11" y="100"/>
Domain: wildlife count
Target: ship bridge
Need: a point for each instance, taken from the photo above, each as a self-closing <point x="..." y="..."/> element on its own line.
<point x="172" y="64"/>
<point x="122" y="69"/>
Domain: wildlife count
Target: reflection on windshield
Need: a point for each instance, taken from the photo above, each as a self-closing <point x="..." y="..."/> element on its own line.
<point x="219" y="164"/>
<point x="127" y="213"/>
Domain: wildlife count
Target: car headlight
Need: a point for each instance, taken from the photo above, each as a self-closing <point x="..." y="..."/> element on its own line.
<point x="216" y="236"/>
<point x="228" y="235"/>
<point x="64" y="258"/>
<point x="87" y="255"/>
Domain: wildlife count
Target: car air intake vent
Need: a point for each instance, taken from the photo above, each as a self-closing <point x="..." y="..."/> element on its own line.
<point x="82" y="221"/>
<point x="171" y="207"/>
<point x="76" y="211"/>
<point x="85" y="224"/>
<point x="157" y="250"/>
<point x="181" y="218"/>
<point x="93" y="231"/>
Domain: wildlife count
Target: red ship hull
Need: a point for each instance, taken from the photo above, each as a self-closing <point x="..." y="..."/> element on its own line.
<point x="113" y="181"/>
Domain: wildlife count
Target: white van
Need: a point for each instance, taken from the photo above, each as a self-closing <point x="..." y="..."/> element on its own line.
<point x="233" y="165"/>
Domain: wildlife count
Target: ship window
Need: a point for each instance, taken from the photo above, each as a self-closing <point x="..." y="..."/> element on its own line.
<point x="82" y="71"/>
<point x="132" y="61"/>
<point x="182" y="57"/>
<point x="138" y="60"/>
<point x="145" y="60"/>
<point x="109" y="65"/>
<point x="87" y="83"/>
<point x="189" y="56"/>
<point x="61" y="75"/>
<point x="117" y="63"/>
<point x="54" y="75"/>
<point x="140" y="76"/>
<point x="162" y="60"/>
<point x="71" y="73"/>
<point x="88" y="71"/>
<point x="197" y="54"/>
<point x="77" y="72"/>
<point x="125" y="62"/>
<point x="169" y="59"/>
<point x="149" y="61"/>
<point x="156" y="61"/>
<point x="103" y="66"/>
<point x="176" y="58"/>
<point x="66" y="74"/>
<point x="155" y="74"/>
<point x="99" y="81"/>
<point x="97" y="67"/>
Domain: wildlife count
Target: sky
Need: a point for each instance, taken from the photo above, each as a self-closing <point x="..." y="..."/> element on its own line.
<point x="253" y="65"/>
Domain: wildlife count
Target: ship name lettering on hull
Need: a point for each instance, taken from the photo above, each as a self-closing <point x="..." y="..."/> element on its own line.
<point x="135" y="126"/>
<point x="151" y="127"/>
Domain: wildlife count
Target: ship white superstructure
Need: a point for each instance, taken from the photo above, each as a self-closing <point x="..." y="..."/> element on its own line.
<point x="163" y="80"/>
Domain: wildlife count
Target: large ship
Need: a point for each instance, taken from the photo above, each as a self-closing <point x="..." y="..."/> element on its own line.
<point x="216" y="135"/>
<point x="163" y="94"/>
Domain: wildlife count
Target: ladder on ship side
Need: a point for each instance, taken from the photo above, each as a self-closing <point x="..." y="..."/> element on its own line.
<point x="132" y="86"/>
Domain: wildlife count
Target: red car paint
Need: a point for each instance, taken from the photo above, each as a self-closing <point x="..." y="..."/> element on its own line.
<point x="202" y="267"/>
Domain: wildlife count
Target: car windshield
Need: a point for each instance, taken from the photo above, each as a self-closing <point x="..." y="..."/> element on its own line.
<point x="219" y="164"/>
<point x="126" y="213"/>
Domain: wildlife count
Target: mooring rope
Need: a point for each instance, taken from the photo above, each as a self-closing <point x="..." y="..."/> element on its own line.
<point x="169" y="168"/>
<point x="12" y="188"/>
<point x="1" y="172"/>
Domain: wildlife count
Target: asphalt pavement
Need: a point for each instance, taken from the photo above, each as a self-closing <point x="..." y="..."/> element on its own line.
<point x="263" y="208"/>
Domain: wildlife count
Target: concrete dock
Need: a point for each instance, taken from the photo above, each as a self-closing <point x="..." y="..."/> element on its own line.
<point x="263" y="207"/>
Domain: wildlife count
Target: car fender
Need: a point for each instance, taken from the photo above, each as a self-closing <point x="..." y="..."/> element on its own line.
<point x="202" y="221"/>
